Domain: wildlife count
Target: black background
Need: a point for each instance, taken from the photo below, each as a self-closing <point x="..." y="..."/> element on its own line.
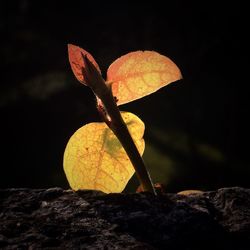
<point x="196" y="129"/>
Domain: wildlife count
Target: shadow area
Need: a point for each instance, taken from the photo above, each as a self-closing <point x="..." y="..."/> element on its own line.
<point x="168" y="221"/>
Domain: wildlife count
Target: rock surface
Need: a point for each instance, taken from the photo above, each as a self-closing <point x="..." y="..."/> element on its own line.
<point x="63" y="219"/>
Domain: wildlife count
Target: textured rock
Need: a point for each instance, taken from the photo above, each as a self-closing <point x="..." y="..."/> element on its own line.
<point x="63" y="219"/>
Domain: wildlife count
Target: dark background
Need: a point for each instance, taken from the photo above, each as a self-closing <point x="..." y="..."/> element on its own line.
<point x="196" y="129"/>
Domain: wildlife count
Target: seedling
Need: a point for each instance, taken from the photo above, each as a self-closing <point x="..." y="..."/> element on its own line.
<point x="105" y="155"/>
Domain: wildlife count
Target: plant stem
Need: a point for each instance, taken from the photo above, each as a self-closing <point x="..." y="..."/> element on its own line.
<point x="119" y="128"/>
<point x="104" y="93"/>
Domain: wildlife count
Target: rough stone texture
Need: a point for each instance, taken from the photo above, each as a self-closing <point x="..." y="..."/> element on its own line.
<point x="63" y="219"/>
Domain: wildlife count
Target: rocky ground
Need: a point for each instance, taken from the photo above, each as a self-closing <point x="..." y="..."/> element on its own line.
<point x="63" y="219"/>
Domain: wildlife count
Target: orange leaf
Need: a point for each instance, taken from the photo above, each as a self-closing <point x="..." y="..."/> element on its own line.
<point x="77" y="63"/>
<point x="95" y="159"/>
<point x="140" y="73"/>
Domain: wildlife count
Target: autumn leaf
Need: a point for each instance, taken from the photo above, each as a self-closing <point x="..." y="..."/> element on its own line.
<point x="77" y="63"/>
<point x="132" y="76"/>
<point x="95" y="159"/>
<point x="140" y="73"/>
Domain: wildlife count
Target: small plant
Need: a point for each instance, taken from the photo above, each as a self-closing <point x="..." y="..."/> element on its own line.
<point x="104" y="156"/>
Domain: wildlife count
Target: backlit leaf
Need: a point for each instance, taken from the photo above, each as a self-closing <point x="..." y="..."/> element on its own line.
<point x="95" y="159"/>
<point x="76" y="61"/>
<point x="140" y="73"/>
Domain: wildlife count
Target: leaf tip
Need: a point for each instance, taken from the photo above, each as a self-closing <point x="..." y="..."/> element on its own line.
<point x="72" y="48"/>
<point x="77" y="63"/>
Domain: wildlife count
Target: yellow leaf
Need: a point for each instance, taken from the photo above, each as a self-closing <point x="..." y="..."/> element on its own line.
<point x="140" y="73"/>
<point x="190" y="192"/>
<point x="95" y="159"/>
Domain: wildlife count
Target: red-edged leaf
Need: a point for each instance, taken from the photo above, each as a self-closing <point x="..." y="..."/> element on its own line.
<point x="140" y="73"/>
<point x="77" y="63"/>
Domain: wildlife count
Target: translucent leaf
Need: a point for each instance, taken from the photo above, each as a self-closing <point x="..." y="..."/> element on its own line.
<point x="140" y="73"/>
<point x="77" y="63"/>
<point x="95" y="159"/>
